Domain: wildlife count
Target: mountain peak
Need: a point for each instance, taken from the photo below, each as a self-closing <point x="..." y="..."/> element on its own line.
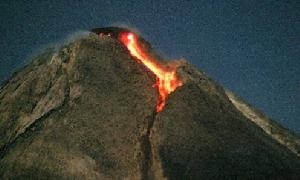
<point x="89" y="111"/>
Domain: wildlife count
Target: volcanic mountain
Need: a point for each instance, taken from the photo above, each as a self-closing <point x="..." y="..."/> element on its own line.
<point x="106" y="106"/>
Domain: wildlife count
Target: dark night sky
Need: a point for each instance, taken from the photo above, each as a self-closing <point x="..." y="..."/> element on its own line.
<point x="251" y="47"/>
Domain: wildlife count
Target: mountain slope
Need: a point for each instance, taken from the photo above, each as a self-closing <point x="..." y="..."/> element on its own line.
<point x="88" y="111"/>
<point x="280" y="134"/>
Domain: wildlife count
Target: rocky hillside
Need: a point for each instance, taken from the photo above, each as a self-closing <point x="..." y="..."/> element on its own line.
<point x="87" y="111"/>
<point x="276" y="131"/>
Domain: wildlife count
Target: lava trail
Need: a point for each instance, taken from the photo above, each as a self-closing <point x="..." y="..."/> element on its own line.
<point x="167" y="80"/>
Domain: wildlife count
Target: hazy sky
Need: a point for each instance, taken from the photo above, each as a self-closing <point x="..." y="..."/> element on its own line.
<point x="251" y="47"/>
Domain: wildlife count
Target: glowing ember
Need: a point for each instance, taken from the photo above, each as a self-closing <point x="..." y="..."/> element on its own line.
<point x="167" y="81"/>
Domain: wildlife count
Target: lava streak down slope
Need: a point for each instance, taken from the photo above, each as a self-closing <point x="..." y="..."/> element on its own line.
<point x="167" y="80"/>
<point x="90" y="114"/>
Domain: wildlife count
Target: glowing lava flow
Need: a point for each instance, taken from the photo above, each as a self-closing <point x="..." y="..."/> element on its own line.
<point x="167" y="81"/>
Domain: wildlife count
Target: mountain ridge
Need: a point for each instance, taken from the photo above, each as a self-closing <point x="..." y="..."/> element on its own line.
<point x="88" y="111"/>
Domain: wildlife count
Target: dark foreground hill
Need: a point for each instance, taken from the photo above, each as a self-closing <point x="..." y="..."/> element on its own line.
<point x="87" y="111"/>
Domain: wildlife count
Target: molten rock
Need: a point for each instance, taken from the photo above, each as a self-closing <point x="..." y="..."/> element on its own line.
<point x="90" y="111"/>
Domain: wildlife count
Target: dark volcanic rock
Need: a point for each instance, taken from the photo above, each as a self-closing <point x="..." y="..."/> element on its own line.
<point x="88" y="112"/>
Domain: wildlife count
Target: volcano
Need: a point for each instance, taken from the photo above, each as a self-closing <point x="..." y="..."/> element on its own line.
<point x="107" y="106"/>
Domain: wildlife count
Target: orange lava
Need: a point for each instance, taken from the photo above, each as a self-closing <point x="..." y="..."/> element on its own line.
<point x="167" y="80"/>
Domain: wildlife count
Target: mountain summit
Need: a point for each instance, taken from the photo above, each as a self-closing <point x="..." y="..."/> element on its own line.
<point x="106" y="106"/>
